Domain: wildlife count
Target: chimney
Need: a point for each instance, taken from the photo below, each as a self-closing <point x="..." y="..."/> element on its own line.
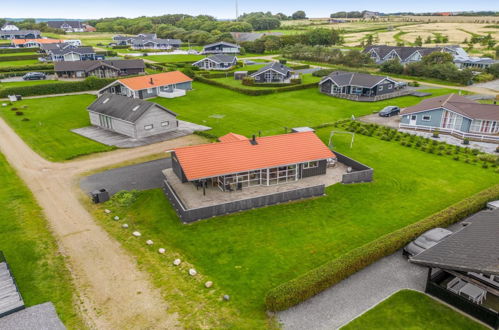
<point x="151" y="82"/>
<point x="253" y="140"/>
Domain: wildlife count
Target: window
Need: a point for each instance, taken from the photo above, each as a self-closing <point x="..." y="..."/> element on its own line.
<point x="149" y="90"/>
<point x="475" y="125"/>
<point x="165" y="124"/>
<point x="148" y="127"/>
<point x="311" y="165"/>
<point x="380" y="88"/>
<point x="426" y="117"/>
<point x="390" y="86"/>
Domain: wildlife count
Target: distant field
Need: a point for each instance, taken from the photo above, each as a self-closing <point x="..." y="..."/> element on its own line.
<point x="87" y="38"/>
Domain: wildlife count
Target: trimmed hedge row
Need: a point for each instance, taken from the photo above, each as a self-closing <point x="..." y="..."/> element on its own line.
<point x="251" y="82"/>
<point x="28" y="68"/>
<point x="19" y="57"/>
<point x="319" y="279"/>
<point x="299" y="66"/>
<point x="89" y="84"/>
<point x="12" y="50"/>
<point x="255" y="92"/>
<point x="21" y="73"/>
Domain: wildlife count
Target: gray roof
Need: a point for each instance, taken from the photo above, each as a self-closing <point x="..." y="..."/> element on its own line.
<point x="342" y="78"/>
<point x="402" y="52"/>
<point x="123" y="107"/>
<point x="222" y="43"/>
<point x="458" y="104"/>
<point x="19" y="32"/>
<point x="63" y="45"/>
<point x="276" y="66"/>
<point x="140" y="41"/>
<point x="474" y="248"/>
<point x="78" y="50"/>
<point x="90" y="65"/>
<point x="40" y="317"/>
<point x="58" y="24"/>
<point x="220" y="58"/>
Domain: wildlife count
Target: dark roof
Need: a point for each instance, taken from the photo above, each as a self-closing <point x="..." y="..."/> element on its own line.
<point x="78" y="50"/>
<point x="276" y="66"/>
<point x="402" y="52"/>
<point x="158" y="41"/>
<point x="474" y="248"/>
<point x="220" y="58"/>
<point x="342" y="78"/>
<point x="222" y="43"/>
<point x="62" y="45"/>
<point x="90" y="65"/>
<point x="123" y="107"/>
<point x="458" y="104"/>
<point x="58" y="24"/>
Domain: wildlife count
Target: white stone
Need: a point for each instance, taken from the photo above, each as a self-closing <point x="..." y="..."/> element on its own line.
<point x="208" y="284"/>
<point x="116" y="218"/>
<point x="226" y="297"/>
<point x="192" y="272"/>
<point x="149" y="242"/>
<point x="125" y="225"/>
<point x="136" y="234"/>
<point x="177" y="262"/>
<point x="161" y="250"/>
<point x="107" y="211"/>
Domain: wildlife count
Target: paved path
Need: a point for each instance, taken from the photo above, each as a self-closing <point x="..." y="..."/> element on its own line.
<point x="112" y="292"/>
<point x="345" y="301"/>
<point x="54" y="95"/>
<point x="134" y="177"/>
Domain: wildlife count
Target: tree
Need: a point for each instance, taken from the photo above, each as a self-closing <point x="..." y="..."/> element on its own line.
<point x="322" y="36"/>
<point x="300" y="14"/>
<point x="428" y="40"/>
<point x="418" y="41"/>
<point x="493" y="70"/>
<point x="437" y="58"/>
<point x="281" y="17"/>
<point x="369" y="40"/>
<point x="392" y="66"/>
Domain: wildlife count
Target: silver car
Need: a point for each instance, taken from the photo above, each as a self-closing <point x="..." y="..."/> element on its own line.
<point x="426" y="241"/>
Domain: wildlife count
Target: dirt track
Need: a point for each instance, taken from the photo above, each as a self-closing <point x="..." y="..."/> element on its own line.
<point x="113" y="292"/>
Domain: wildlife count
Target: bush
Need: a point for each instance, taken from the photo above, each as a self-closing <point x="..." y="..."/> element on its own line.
<point x="322" y="72"/>
<point x="436" y="134"/>
<point x="89" y="84"/>
<point x="19" y="113"/>
<point x="466" y="141"/>
<point x="25" y="119"/>
<point x="125" y="198"/>
<point x="319" y="279"/>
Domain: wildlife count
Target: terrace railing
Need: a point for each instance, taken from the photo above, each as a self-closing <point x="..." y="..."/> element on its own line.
<point x="453" y="132"/>
<point x="376" y="98"/>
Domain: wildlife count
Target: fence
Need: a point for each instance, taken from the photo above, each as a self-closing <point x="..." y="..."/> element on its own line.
<point x="191" y="215"/>
<point x="376" y="98"/>
<point x="485" y="315"/>
<point x="360" y="172"/>
<point x="458" y="134"/>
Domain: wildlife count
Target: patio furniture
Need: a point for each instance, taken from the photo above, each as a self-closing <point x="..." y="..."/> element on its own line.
<point x="473" y="293"/>
<point x="455" y="285"/>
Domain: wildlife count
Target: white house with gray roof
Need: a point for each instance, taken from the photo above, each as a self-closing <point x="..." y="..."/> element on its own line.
<point x="273" y="72"/>
<point x="135" y="118"/>
<point x="67" y="26"/>
<point x="9" y="26"/>
<point x="141" y="43"/>
<point x="221" y="47"/>
<point x="216" y="62"/>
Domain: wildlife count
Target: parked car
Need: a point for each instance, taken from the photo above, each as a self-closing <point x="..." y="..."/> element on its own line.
<point x="34" y="76"/>
<point x="494" y="205"/>
<point x="389" y="111"/>
<point x="425" y="241"/>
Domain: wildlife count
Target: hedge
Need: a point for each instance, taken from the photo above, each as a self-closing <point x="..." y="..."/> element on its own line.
<point x="255" y="92"/>
<point x="319" y="279"/>
<point x="299" y="66"/>
<point x="13" y="50"/>
<point x="19" y="57"/>
<point x="21" y="73"/>
<point x="89" y="84"/>
<point x="28" y="68"/>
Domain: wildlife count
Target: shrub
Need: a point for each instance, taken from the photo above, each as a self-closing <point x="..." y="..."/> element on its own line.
<point x="456" y="158"/>
<point x="436" y="134"/>
<point x="319" y="279"/>
<point x="19" y="113"/>
<point x="125" y="198"/>
<point x="466" y="141"/>
<point x="322" y="72"/>
<point x="485" y="165"/>
<point x="25" y="119"/>
<point x="14" y="109"/>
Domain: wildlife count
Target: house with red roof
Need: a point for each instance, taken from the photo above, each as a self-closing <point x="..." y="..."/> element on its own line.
<point x="166" y="84"/>
<point x="456" y="115"/>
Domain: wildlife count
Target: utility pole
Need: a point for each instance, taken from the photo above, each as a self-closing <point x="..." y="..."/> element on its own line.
<point x="237" y="10"/>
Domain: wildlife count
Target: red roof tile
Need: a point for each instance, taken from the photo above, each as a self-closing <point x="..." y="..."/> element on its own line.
<point x="230" y="137"/>
<point x="155" y="80"/>
<point x="215" y="159"/>
<point x="40" y="41"/>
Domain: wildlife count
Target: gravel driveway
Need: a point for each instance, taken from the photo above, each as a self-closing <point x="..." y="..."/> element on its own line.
<point x="392" y="121"/>
<point x="134" y="177"/>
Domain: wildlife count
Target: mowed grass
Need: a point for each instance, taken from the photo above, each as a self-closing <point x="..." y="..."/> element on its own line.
<point x="409" y="309"/>
<point x="18" y="63"/>
<point x="50" y="121"/>
<point x="17" y="54"/>
<point x="27" y="83"/>
<point x="248" y="253"/>
<point x="31" y="251"/>
<point x="230" y="81"/>
<point x="269" y="114"/>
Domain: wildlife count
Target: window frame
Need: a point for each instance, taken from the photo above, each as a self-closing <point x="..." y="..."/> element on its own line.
<point x="148" y="127"/>
<point x="426" y="116"/>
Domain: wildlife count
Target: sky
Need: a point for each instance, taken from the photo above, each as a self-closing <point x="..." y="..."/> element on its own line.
<point x="224" y="8"/>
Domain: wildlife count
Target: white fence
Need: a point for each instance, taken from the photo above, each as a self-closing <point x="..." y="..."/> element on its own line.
<point x="453" y="132"/>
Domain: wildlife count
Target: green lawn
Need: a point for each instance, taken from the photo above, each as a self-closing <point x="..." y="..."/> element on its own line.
<point x="271" y="113"/>
<point x="18" y="63"/>
<point x="409" y="309"/>
<point x="31" y="251"/>
<point x="48" y="129"/>
<point x="306" y="79"/>
<point x="18" y="54"/>
<point x="27" y="83"/>
<point x="248" y="253"/>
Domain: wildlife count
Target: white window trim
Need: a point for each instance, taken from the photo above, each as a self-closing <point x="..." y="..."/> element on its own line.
<point x="380" y="88"/>
<point x="308" y="165"/>
<point x="423" y="118"/>
<point x="165" y="123"/>
<point x="148" y="127"/>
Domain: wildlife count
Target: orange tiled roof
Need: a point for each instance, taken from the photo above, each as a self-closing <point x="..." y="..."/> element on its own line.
<point x="155" y="80"/>
<point x="230" y="137"/>
<point x="214" y="159"/>
<point x="40" y="41"/>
